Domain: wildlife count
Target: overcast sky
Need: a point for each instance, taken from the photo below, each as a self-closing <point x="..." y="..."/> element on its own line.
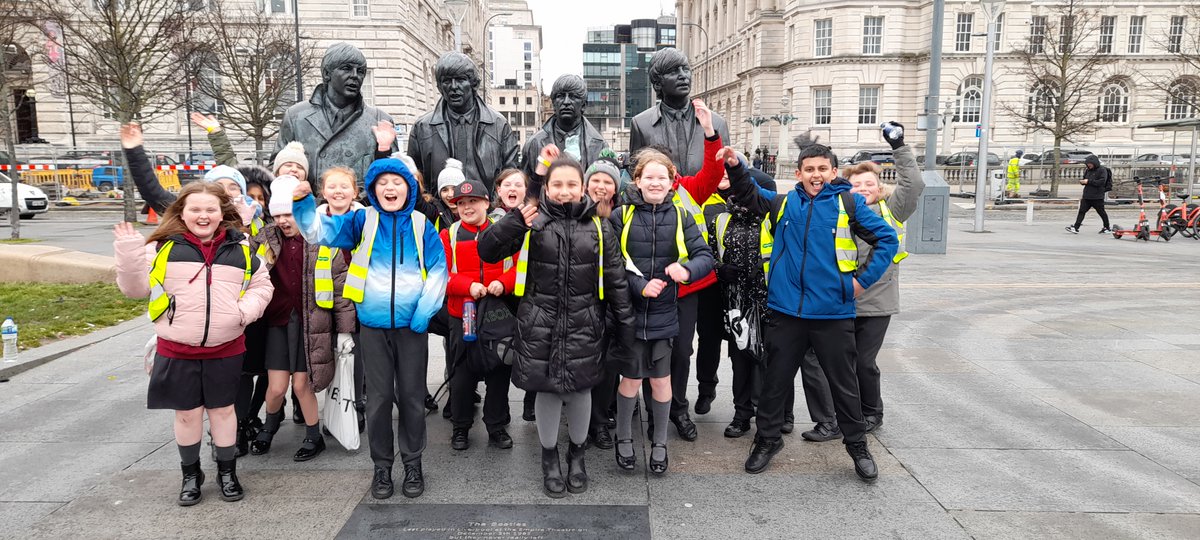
<point x="565" y="24"/>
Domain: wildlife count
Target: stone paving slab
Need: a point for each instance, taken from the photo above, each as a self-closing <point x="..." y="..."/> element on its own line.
<point x="1177" y="449"/>
<point x="1077" y="525"/>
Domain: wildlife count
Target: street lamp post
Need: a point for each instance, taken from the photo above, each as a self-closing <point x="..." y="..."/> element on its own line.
<point x="707" y="52"/>
<point x="991" y="11"/>
<point x="486" y="81"/>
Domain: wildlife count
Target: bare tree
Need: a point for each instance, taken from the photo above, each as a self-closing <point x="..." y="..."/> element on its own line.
<point x="1065" y="71"/>
<point x="1180" y="87"/>
<point x="124" y="56"/>
<point x="15" y="67"/>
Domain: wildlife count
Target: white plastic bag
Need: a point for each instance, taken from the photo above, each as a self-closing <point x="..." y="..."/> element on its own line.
<point x="339" y="415"/>
<point x="148" y="354"/>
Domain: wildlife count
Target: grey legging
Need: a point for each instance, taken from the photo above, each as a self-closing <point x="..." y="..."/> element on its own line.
<point x="548" y="409"/>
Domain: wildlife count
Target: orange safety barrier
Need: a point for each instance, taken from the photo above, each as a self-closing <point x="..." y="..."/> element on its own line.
<point x="81" y="179"/>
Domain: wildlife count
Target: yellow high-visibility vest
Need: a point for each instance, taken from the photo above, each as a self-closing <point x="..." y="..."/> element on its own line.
<point x="680" y="244"/>
<point x="323" y="277"/>
<point x="887" y="216"/>
<point x="1014" y="168"/>
<point x="523" y="261"/>
<point x="765" y="241"/>
<point x="683" y="200"/>
<point x="160" y="301"/>
<point x="356" y="275"/>
<point x="843" y="240"/>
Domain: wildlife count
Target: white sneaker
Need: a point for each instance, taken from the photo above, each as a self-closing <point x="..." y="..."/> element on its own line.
<point x="1072" y="229"/>
<point x="1105" y="230"/>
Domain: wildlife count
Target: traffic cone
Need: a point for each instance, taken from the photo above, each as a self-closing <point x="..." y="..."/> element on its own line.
<point x="151" y="217"/>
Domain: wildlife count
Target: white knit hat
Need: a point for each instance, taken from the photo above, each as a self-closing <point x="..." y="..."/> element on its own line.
<point x="292" y="153"/>
<point x="452" y="175"/>
<point x="282" y="189"/>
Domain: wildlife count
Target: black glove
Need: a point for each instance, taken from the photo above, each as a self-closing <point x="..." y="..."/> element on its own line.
<point x="728" y="273"/>
<point x="893" y="133"/>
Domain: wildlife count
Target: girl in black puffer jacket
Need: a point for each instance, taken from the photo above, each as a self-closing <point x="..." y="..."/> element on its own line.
<point x="571" y="279"/>
<point x="662" y="247"/>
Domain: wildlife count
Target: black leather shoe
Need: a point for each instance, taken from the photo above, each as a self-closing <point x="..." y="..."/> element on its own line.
<point x="193" y="478"/>
<point x="704" y="403"/>
<point x="658" y="467"/>
<point x="227" y="481"/>
<point x="737" y="428"/>
<point x="873" y="422"/>
<point x="552" y="480"/>
<point x="602" y="438"/>
<point x="625" y="462"/>
<point x="500" y="439"/>
<point x="527" y="414"/>
<point x="685" y="427"/>
<point x="262" y="441"/>
<point x="577" y="478"/>
<point x="822" y="432"/>
<point x="459" y="439"/>
<point x="864" y="464"/>
<point x="789" y="424"/>
<point x="414" y="481"/>
<point x="431" y="405"/>
<point x="309" y="449"/>
<point x="381" y="485"/>
<point x="761" y="454"/>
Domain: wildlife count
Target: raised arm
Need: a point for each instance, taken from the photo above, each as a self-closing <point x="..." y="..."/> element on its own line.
<point x="502" y="239"/>
<point x="909" y="183"/>
<point x="142" y="172"/>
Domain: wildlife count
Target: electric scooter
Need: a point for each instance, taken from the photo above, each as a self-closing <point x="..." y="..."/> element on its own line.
<point x="1142" y="230"/>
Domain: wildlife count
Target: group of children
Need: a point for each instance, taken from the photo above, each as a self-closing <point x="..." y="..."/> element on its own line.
<point x="574" y="298"/>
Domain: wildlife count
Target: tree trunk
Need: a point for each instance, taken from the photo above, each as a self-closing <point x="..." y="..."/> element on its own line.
<point x="258" y="146"/>
<point x="127" y="188"/>
<point x="14" y="211"/>
<point x="1056" y="168"/>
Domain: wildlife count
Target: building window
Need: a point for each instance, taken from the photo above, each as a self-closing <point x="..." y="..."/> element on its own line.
<point x="1107" y="26"/>
<point x="1042" y="103"/>
<point x="643" y="37"/>
<point x="1114" y="103"/>
<point x="528" y="66"/>
<point x="1066" y="34"/>
<point x="1137" y="27"/>
<point x="360" y="8"/>
<point x="1182" y="100"/>
<point x="999" y="32"/>
<point x="791" y="41"/>
<point x="822" y="106"/>
<point x="962" y="32"/>
<point x="528" y="77"/>
<point x="823" y="38"/>
<point x="528" y="100"/>
<point x="872" y="35"/>
<point x="970" y="101"/>
<point x="502" y="100"/>
<point x="1175" y="36"/>
<point x="1037" y="35"/>
<point x="668" y="36"/>
<point x="276" y="6"/>
<point x="868" y="105"/>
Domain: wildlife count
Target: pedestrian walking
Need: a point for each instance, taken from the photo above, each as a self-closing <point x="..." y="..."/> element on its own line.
<point x="663" y="247"/>
<point x="571" y="279"/>
<point x="1096" y="182"/>
<point x="812" y="281"/>
<point x="1012" y="188"/>
<point x="397" y="279"/>
<point x="204" y="285"/>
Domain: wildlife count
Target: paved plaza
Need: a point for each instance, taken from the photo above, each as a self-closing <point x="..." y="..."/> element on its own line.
<point x="1037" y="385"/>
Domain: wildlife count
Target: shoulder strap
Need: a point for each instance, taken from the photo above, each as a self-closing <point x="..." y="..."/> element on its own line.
<point x="848" y="202"/>
<point x="418" y="226"/>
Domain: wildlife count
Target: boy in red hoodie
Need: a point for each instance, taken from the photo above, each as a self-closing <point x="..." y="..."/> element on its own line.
<point x="471" y="281"/>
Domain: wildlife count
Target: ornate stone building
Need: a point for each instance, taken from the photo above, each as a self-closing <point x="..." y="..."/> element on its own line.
<point x="841" y="67"/>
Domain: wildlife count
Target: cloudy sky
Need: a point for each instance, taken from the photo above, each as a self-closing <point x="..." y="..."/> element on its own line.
<point x="565" y="25"/>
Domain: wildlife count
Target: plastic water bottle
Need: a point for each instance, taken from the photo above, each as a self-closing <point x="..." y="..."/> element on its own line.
<point x="9" y="330"/>
<point x="469" y="320"/>
<point x="892" y="131"/>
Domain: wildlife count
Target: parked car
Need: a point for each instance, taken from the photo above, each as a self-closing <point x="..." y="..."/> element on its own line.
<point x="921" y="159"/>
<point x="108" y="177"/>
<point x="967" y="159"/>
<point x="882" y="157"/>
<point x="1067" y="157"/>
<point x="1029" y="159"/>
<point x="1161" y="159"/>
<point x="31" y="201"/>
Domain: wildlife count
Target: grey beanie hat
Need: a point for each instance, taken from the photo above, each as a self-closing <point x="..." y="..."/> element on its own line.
<point x="604" y="166"/>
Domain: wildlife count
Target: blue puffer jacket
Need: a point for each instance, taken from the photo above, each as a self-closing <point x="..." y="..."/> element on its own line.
<point x="804" y="280"/>
<point x="394" y="296"/>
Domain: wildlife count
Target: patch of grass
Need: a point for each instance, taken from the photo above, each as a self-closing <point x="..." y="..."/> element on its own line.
<point x="19" y="240"/>
<point x="49" y="311"/>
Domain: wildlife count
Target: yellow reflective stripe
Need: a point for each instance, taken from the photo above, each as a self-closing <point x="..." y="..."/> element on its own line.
<point x="246" y="277"/>
<point x="418" y="228"/>
<point x="522" y="266"/>
<point x="600" y="240"/>
<point x="454" y="246"/>
<point x="159" y="301"/>
<point x="766" y="245"/>
<point x="680" y="243"/>
<point x="722" y="225"/>
<point x="886" y="213"/>
<point x="356" y="275"/>
<point x="843" y="242"/>
<point x="683" y="199"/>
<point x="626" y="217"/>
<point x="323" y="278"/>
<point x="256" y="225"/>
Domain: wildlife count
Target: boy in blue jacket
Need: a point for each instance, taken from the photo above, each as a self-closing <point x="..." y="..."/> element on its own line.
<point x="812" y="281"/>
<point x="397" y="279"/>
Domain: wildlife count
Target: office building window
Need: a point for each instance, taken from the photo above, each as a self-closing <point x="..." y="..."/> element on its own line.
<point x="822" y="106"/>
<point x="1037" y="35"/>
<point x="868" y="105"/>
<point x="1107" y="25"/>
<point x="1182" y="99"/>
<point x="1175" y="35"/>
<point x="970" y="100"/>
<point x="823" y="38"/>
<point x="1114" y="103"/>
<point x="962" y="32"/>
<point x="872" y="35"/>
<point x="1066" y="34"/>
<point x="1137" y="27"/>
<point x="999" y="32"/>
<point x="502" y="100"/>
<point x="360" y="8"/>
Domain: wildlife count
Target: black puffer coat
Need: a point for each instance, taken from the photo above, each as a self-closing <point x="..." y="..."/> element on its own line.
<point x="652" y="248"/>
<point x="561" y="320"/>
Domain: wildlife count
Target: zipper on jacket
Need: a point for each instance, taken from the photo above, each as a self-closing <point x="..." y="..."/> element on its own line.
<point x="207" y="300"/>
<point x="395" y="233"/>
<point x="804" y="257"/>
<point x="653" y="256"/>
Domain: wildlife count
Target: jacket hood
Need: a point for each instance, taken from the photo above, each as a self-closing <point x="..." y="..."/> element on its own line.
<point x="1093" y="161"/>
<point x="394" y="166"/>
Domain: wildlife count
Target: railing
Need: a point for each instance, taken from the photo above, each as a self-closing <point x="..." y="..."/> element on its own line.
<point x="61" y="181"/>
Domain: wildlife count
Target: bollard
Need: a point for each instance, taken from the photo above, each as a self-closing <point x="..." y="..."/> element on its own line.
<point x="1029" y="212"/>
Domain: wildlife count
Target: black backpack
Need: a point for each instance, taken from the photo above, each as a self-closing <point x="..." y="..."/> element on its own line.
<point x="1107" y="179"/>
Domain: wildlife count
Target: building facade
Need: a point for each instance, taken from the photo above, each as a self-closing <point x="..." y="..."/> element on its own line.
<point x="615" y="63"/>
<point x="522" y="105"/>
<point x="840" y="68"/>
<point x="514" y="45"/>
<point x="401" y="40"/>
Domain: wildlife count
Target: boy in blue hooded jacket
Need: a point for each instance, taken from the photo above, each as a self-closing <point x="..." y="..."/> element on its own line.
<point x="812" y="281"/>
<point x="397" y="279"/>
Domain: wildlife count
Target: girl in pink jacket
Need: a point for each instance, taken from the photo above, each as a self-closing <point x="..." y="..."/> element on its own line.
<point x="205" y="286"/>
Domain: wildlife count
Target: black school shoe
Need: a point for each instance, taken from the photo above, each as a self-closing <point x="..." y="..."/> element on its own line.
<point x="873" y="422"/>
<point x="704" y="403"/>
<point x="227" y="481"/>
<point x="789" y="423"/>
<point x="527" y="414"/>
<point x="309" y="449"/>
<point x="737" y="429"/>
<point x="459" y="439"/>
<point x="601" y="438"/>
<point x="761" y="454"/>
<point x="822" y="432"/>
<point x="500" y="439"/>
<point x="414" y="481"/>
<point x="381" y="485"/>
<point x="864" y="463"/>
<point x="193" y="478"/>
<point x="685" y="427"/>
